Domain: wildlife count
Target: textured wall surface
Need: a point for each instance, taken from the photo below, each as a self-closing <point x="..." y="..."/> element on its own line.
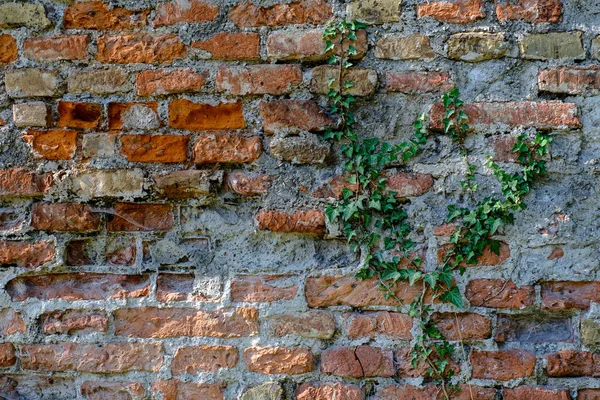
<point x="163" y="180"/>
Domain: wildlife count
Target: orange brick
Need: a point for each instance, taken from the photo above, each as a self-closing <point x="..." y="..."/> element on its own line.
<point x="535" y="11"/>
<point x="459" y="12"/>
<point x="162" y="82"/>
<point x="57" y="48"/>
<point x="97" y="15"/>
<point x="141" y="217"/>
<point x="53" y="144"/>
<point x="183" y="114"/>
<point x="223" y="147"/>
<point x="190" y="11"/>
<point x="155" y="148"/>
<point x="231" y="46"/>
<point x="8" y="49"/>
<point x="258" y="79"/>
<point x="301" y="12"/>
<point x="140" y="48"/>
<point x="140" y="115"/>
<point x="79" y="115"/>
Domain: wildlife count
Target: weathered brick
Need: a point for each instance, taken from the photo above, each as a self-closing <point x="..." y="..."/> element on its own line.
<point x="73" y="321"/>
<point x="69" y="217"/>
<point x="8" y="357"/>
<point x="23" y="183"/>
<point x="187" y="183"/>
<point x="117" y="183"/>
<point x="78" y="252"/>
<point x="571" y="363"/>
<point x="374" y="11"/>
<point x="526" y="393"/>
<point x="56" y="48"/>
<point x="307" y="45"/>
<point x="32" y="82"/>
<point x="177" y="390"/>
<point x="11" y="220"/>
<point x="533" y="11"/>
<point x="407" y="369"/>
<point x="25" y="254"/>
<point x="329" y="391"/>
<point x="588" y="394"/>
<point x="99" y="81"/>
<point x="487" y="258"/>
<point x="477" y="46"/>
<point x="358" y="362"/>
<point x="140" y="48"/>
<point x="97" y="15"/>
<point x="183" y="114"/>
<point x="564" y="295"/>
<point x="459" y="12"/>
<point x="120" y="250"/>
<point x="411" y="47"/>
<point x="165" y="82"/>
<point x="226" y="148"/>
<point x="293" y="116"/>
<point x="409" y="184"/>
<point x="311" y="221"/>
<point x="78" y="286"/>
<point x="195" y="359"/>
<point x="11" y="322"/>
<point x="31" y="114"/>
<point x="99" y="146"/>
<point x="155" y="148"/>
<point x="268" y="390"/>
<point x="363" y="79"/>
<point x="136" y="217"/>
<point x="79" y="115"/>
<point x="433" y="392"/>
<point x="463" y="326"/>
<point x="305" y="148"/>
<point x="377" y="324"/>
<point x="279" y="360"/>
<point x="327" y="291"/>
<point x="34" y="385"/>
<point x="8" y="49"/>
<point x="178" y="287"/>
<point x="497" y="293"/>
<point x="150" y="322"/>
<point x="96" y="390"/>
<point x="82" y="357"/>
<point x="311" y="324"/>
<point x="533" y="328"/>
<point x="596" y="48"/>
<point x="590" y="333"/>
<point x="258" y="79"/>
<point x="262" y="288"/>
<point x="314" y="12"/>
<point x="414" y="82"/>
<point x="247" y="185"/>
<point x="14" y="15"/>
<point x="191" y="11"/>
<point x="545" y="46"/>
<point x="53" y="144"/>
<point x="138" y="115"/>
<point x="544" y="115"/>
<point x="502" y="365"/>
<point x="571" y="80"/>
<point x="231" y="46"/>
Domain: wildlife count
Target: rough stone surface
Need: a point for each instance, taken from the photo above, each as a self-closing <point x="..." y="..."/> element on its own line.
<point x="475" y="47"/>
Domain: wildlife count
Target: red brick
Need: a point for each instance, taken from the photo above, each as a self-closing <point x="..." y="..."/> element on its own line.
<point x="120" y="250"/>
<point x="231" y="46"/>
<point x="11" y="322"/>
<point x="95" y="390"/>
<point x="294" y="116"/>
<point x="458" y="12"/>
<point x="544" y="115"/>
<point x="177" y="390"/>
<point x="334" y="188"/>
<point x="358" y="362"/>
<point x="73" y="321"/>
<point x="56" y="48"/>
<point x="588" y="394"/>
<point x="25" y="254"/>
<point x="165" y="82"/>
<point x="279" y="360"/>
<point x="487" y="258"/>
<point x="569" y="295"/>
<point x="68" y="217"/>
<point x="571" y="363"/>
<point x="191" y="11"/>
<point x="127" y="115"/>
<point x="409" y="184"/>
<point x="187" y="183"/>
<point x="534" y="11"/>
<point x="571" y="80"/>
<point x="307" y="45"/>
<point x="527" y="393"/>
<point x="81" y="357"/>
<point x="78" y="286"/>
<point x="195" y="359"/>
<point x="327" y="291"/>
<point x="140" y="48"/>
<point x="54" y="144"/>
<point x="432" y="392"/>
<point x="226" y="148"/>
<point x="377" y="324"/>
<point x="150" y="322"/>
<point x="97" y="15"/>
<point x="329" y="391"/>
<point x="502" y="365"/>
<point x="183" y="114"/>
<point x="414" y="82"/>
<point x="177" y="287"/>
<point x="262" y="288"/>
<point x="311" y="221"/>
<point x="247" y="185"/>
<point x="8" y="49"/>
<point x="79" y="115"/>
<point x="141" y="217"/>
<point x="315" y="12"/>
<point x="258" y="79"/>
<point x="155" y="148"/>
<point x="311" y="324"/>
<point x="497" y="293"/>
<point x="463" y="326"/>
<point x="8" y="357"/>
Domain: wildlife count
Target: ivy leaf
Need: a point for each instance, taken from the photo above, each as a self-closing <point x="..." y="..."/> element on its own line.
<point x="453" y="296"/>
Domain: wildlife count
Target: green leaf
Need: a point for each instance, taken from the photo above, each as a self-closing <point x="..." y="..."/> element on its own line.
<point x="453" y="296"/>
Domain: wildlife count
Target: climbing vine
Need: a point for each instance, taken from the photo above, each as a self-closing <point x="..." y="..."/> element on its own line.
<point x="376" y="225"/>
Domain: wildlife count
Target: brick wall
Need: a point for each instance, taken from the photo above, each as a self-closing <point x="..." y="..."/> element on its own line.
<point x="163" y="181"/>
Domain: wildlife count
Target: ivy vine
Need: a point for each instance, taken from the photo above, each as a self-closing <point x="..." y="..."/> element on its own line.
<point x="376" y="225"/>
